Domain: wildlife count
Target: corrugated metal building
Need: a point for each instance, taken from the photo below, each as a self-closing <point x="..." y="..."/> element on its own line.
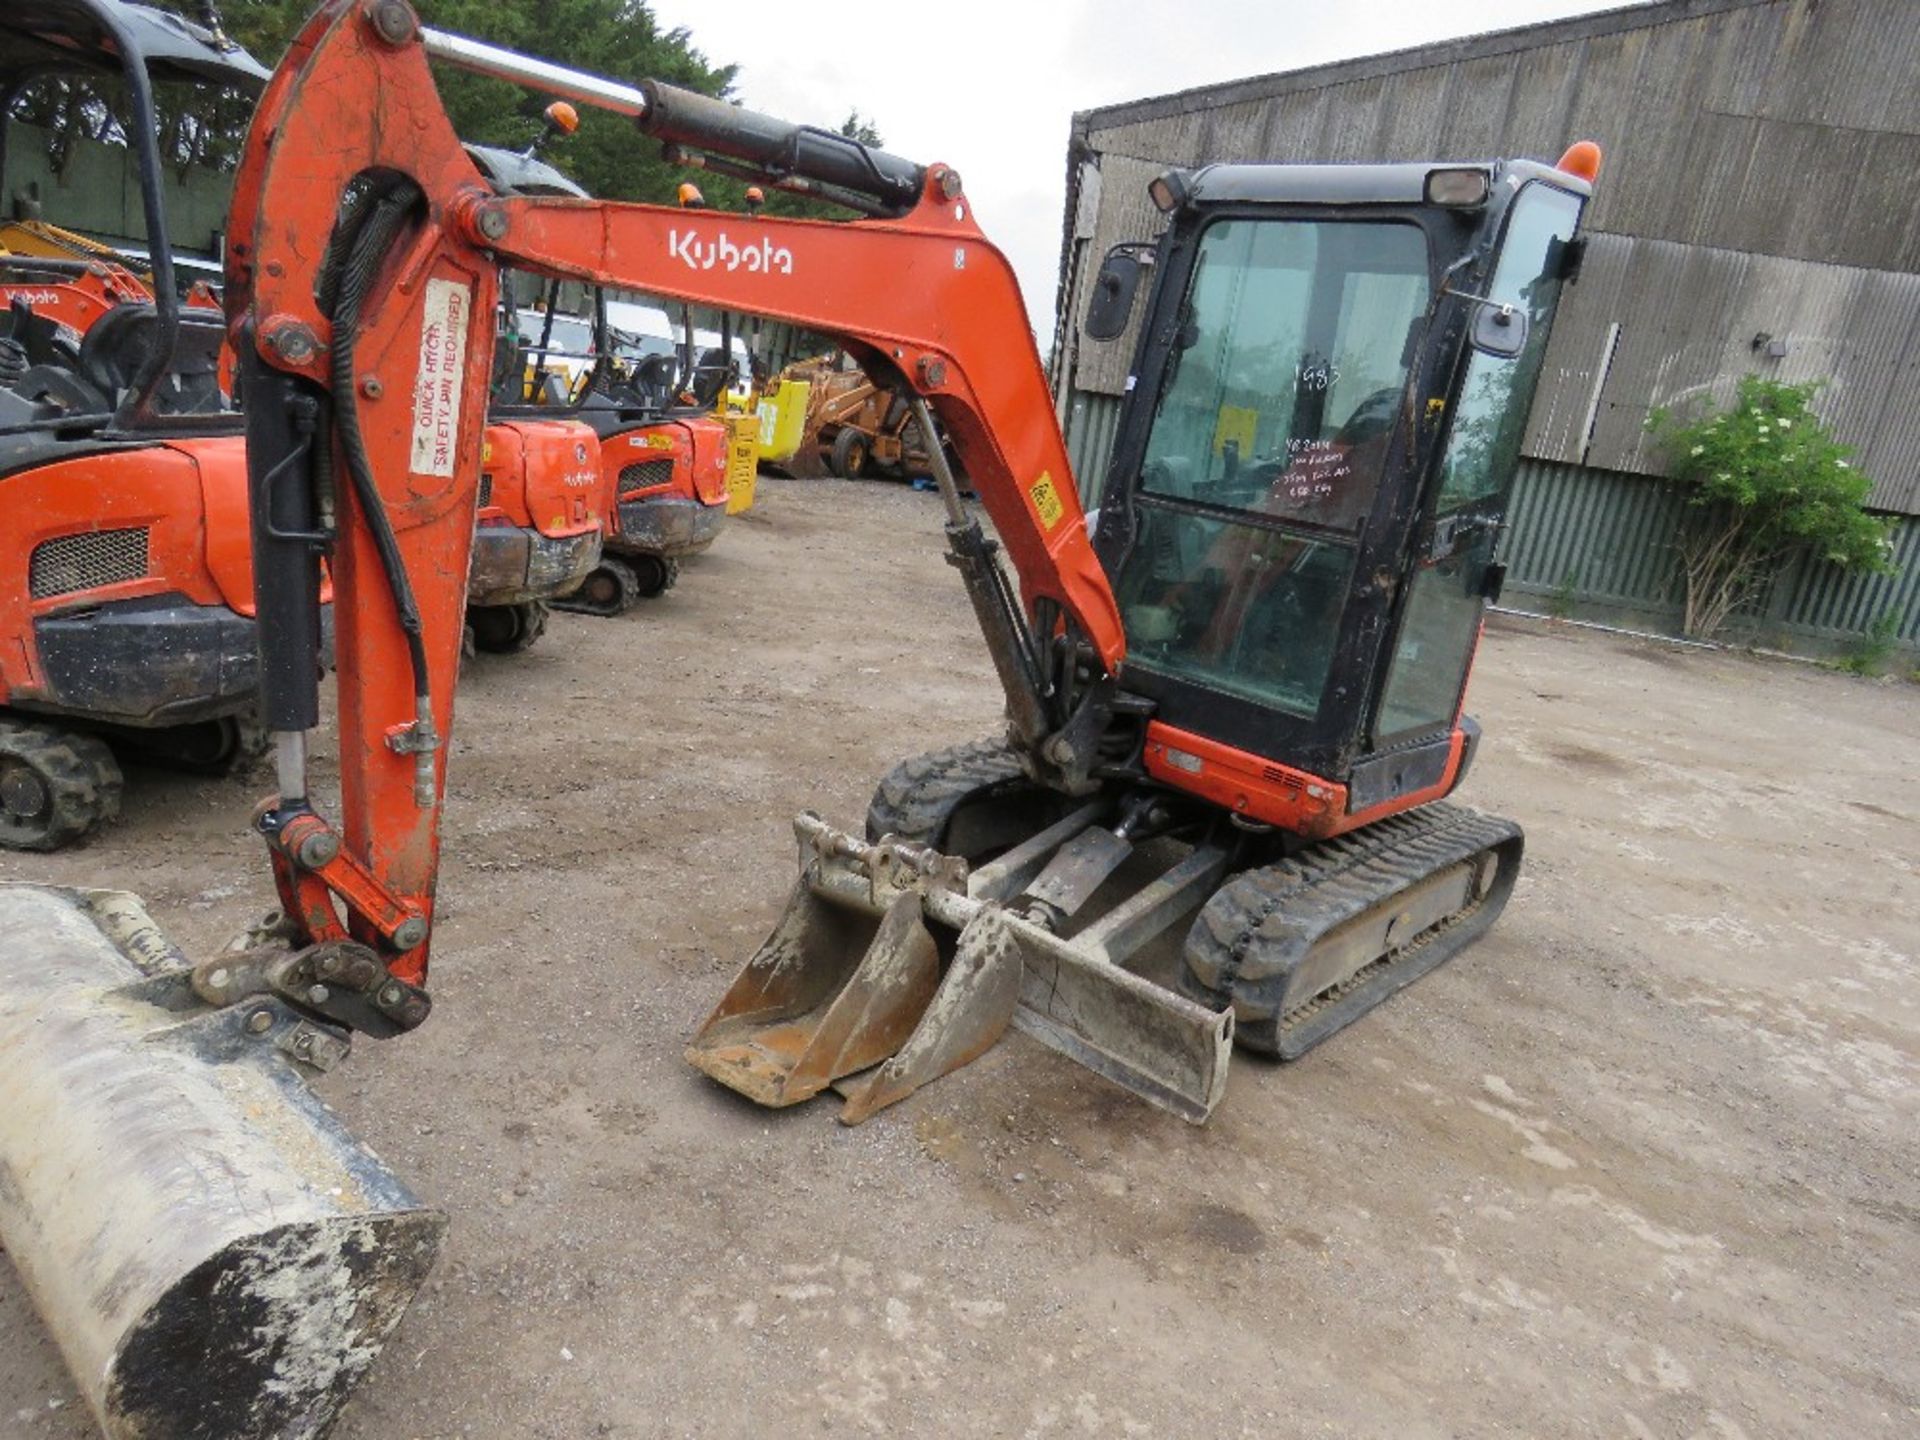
<point x="1759" y="196"/>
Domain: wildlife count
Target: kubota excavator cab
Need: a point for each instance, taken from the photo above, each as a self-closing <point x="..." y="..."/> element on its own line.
<point x="1302" y="505"/>
<point x="126" y="613"/>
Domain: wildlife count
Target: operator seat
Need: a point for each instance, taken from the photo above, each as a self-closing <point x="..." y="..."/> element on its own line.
<point x="120" y="342"/>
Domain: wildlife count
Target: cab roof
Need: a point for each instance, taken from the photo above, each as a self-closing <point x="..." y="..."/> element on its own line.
<point x="79" y="35"/>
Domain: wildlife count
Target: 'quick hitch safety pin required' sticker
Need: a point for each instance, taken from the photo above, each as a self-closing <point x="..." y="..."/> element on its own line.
<point x="441" y="377"/>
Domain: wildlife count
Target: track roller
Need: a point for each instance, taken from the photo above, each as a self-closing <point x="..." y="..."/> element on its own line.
<point x="55" y="785"/>
<point x="654" y="575"/>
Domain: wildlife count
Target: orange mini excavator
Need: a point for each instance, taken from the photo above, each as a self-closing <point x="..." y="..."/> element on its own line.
<point x="544" y="500"/>
<point x="665" y="456"/>
<point x="662" y="450"/>
<point x="126" y="588"/>
<point x="1236" y="706"/>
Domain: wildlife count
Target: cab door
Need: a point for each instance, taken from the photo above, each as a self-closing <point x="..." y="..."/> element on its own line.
<point x="1453" y="569"/>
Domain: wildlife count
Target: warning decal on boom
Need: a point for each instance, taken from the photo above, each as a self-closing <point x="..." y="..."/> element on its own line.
<point x="436" y="389"/>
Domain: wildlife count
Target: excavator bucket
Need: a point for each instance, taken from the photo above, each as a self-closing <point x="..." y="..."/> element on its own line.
<point x="853" y="991"/>
<point x="216" y="1256"/>
<point x="828" y="995"/>
<point x="968" y="1013"/>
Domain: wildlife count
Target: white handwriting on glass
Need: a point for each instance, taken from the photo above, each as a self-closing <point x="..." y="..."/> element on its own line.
<point x="1316" y="374"/>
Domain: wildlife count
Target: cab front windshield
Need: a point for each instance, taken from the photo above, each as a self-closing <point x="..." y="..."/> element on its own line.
<point x="1269" y="438"/>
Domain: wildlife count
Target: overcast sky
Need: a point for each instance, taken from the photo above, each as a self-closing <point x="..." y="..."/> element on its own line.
<point x="990" y="86"/>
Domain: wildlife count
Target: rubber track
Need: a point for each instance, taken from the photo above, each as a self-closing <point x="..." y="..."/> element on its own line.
<point x="669" y="577"/>
<point x="623" y="576"/>
<point x="1276" y="913"/>
<point x="81" y="773"/>
<point x="531" y="624"/>
<point x="917" y="798"/>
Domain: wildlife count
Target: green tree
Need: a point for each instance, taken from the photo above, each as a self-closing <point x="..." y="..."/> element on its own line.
<point x="620" y="39"/>
<point x="858" y="127"/>
<point x="1768" y="481"/>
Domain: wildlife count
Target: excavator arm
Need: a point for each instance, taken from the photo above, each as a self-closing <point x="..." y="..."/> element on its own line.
<point x="362" y="279"/>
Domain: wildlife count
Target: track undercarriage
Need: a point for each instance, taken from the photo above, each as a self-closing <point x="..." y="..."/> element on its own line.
<point x="621" y="581"/>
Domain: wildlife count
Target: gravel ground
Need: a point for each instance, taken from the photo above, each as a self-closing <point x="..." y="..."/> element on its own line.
<point x="1640" y="1163"/>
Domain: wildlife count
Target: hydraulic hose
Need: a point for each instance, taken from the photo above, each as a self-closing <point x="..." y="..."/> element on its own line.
<point x="370" y="246"/>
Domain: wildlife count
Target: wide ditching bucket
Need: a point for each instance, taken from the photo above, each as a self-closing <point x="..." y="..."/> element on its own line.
<point x="214" y="1253"/>
<point x="892" y="966"/>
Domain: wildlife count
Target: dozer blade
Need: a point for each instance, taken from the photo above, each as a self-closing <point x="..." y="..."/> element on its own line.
<point x="216" y="1256"/>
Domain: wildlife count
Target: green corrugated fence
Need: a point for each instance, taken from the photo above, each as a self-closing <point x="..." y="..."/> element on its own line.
<point x="1598" y="544"/>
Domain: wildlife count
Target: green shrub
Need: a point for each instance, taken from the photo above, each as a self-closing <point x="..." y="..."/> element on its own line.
<point x="1769" y="481"/>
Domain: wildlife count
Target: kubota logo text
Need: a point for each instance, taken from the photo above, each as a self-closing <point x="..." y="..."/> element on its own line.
<point x="699" y="254"/>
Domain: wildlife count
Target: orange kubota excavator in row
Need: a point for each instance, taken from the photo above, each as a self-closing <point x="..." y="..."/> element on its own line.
<point x="126" y="605"/>
<point x="1235" y="704"/>
<point x="125" y="582"/>
<point x="662" y="451"/>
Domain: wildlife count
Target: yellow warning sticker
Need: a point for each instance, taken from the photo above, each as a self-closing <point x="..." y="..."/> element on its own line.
<point x="486" y="452"/>
<point x="1237" y="425"/>
<point x="1046" y="501"/>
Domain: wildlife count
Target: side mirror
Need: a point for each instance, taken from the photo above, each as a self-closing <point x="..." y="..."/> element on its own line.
<point x="1115" y="289"/>
<point x="1499" y="329"/>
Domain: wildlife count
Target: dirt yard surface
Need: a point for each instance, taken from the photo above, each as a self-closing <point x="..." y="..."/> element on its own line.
<point x="1641" y="1163"/>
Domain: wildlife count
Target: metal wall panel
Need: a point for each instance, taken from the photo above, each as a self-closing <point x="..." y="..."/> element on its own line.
<point x="1126" y="214"/>
<point x="1353" y="121"/>
<point x="1415" y="108"/>
<point x="1688" y="318"/>
<point x="1828" y="602"/>
<point x="1090" y="424"/>
<point x="1593" y="535"/>
<point x="1742" y="124"/>
<point x="1234" y="132"/>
